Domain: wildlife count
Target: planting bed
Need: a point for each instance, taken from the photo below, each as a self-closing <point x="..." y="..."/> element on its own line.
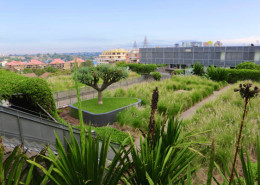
<point x="171" y="99"/>
<point x="101" y="115"/>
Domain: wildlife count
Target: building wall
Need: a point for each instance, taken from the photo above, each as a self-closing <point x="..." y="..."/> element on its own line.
<point x="113" y="56"/>
<point x="217" y="56"/>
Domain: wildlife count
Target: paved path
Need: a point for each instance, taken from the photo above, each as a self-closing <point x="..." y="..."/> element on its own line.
<point x="191" y="111"/>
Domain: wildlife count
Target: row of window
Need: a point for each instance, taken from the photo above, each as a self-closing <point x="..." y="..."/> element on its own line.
<point x="204" y="55"/>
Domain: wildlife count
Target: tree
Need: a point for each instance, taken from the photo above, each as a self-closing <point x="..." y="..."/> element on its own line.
<point x="87" y="63"/>
<point x="39" y="72"/>
<point x="109" y="74"/>
<point x="198" y="69"/>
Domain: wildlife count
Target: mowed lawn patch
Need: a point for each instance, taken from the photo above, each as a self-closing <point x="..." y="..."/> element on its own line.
<point x="108" y="105"/>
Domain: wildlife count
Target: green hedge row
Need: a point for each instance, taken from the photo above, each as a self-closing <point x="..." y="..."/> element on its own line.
<point x="243" y="74"/>
<point x="139" y="68"/>
<point x="12" y="84"/>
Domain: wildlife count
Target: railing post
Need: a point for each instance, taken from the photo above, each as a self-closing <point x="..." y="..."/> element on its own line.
<point x="20" y="129"/>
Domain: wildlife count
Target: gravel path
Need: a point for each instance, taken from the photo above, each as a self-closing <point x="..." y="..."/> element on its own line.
<point x="191" y="111"/>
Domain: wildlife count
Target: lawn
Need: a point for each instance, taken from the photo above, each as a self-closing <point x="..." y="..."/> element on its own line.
<point x="116" y="135"/>
<point x="175" y="94"/>
<point x="109" y="104"/>
<point x="221" y="118"/>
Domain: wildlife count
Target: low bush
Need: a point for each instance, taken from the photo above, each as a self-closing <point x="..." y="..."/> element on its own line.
<point x="179" y="71"/>
<point x="243" y="74"/>
<point x="198" y="69"/>
<point x="139" y="68"/>
<point x="116" y="135"/>
<point x="157" y="76"/>
<point x="217" y="73"/>
<point x="248" y="65"/>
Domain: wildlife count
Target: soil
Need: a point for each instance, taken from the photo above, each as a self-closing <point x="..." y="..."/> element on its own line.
<point x="65" y="114"/>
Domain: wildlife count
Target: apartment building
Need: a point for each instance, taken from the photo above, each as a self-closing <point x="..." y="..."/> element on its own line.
<point x="113" y="56"/>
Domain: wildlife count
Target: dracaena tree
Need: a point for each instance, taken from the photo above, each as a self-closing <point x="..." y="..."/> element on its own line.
<point x="107" y="73"/>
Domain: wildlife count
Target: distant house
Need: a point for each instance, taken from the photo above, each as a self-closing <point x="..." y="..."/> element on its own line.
<point x="35" y="64"/>
<point x="15" y="65"/>
<point x="70" y="65"/>
<point x="58" y="64"/>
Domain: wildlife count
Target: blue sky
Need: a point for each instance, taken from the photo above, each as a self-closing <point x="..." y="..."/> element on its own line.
<point x="31" y="26"/>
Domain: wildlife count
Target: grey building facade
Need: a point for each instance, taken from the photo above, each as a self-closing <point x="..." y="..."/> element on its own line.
<point x="187" y="56"/>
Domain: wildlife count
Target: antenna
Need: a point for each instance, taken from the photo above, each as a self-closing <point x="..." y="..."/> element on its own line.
<point x="135" y="46"/>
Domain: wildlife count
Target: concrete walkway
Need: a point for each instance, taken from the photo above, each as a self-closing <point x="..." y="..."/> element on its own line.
<point x="191" y="111"/>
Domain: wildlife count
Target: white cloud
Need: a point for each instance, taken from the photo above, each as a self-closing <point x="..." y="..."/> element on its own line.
<point x="242" y="41"/>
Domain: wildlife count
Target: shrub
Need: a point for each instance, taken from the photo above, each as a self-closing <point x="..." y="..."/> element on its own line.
<point x="243" y="74"/>
<point x="34" y="88"/>
<point x="39" y="72"/>
<point x="51" y="69"/>
<point x="198" y="69"/>
<point x="157" y="76"/>
<point x="217" y="74"/>
<point x="248" y="65"/>
<point x="27" y="70"/>
<point x="139" y="68"/>
<point x="179" y="71"/>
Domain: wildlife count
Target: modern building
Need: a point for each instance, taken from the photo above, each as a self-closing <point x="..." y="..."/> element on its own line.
<point x="35" y="64"/>
<point x="113" y="56"/>
<point x="186" y="56"/>
<point x="57" y="63"/>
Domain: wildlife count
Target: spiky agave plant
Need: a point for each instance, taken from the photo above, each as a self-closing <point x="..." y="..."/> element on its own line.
<point x="78" y="166"/>
<point x="15" y="170"/>
<point x="164" y="156"/>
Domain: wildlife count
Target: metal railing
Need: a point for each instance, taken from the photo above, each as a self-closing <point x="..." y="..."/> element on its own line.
<point x="65" y="98"/>
<point x="34" y="132"/>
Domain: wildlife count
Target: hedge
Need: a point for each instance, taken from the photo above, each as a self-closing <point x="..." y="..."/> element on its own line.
<point x="139" y="68"/>
<point x="243" y="74"/>
<point x="15" y="85"/>
<point x="248" y="65"/>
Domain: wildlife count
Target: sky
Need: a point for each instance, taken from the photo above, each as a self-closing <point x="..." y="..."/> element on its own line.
<point x="41" y="26"/>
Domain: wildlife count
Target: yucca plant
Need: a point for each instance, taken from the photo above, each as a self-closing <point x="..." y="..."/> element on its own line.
<point x="15" y="170"/>
<point x="86" y="165"/>
<point x="164" y="156"/>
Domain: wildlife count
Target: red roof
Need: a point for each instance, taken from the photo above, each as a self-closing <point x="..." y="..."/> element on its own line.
<point x="35" y="62"/>
<point x="57" y="61"/>
<point x="15" y="63"/>
<point x="45" y="75"/>
<point x="79" y="60"/>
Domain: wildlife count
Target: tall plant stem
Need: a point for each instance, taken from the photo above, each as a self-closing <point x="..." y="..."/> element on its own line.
<point x="238" y="141"/>
<point x="78" y="93"/>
